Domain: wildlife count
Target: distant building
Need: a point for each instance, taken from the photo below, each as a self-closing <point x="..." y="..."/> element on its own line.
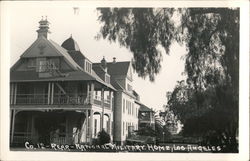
<point x="146" y="116"/>
<point x="58" y="95"/>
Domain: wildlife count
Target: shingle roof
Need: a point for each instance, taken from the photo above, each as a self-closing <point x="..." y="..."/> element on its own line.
<point x="65" y="54"/>
<point x="70" y="44"/>
<point x="118" y="68"/>
<point x="28" y="76"/>
<point x="78" y="57"/>
<point x="22" y="76"/>
<point x="143" y="107"/>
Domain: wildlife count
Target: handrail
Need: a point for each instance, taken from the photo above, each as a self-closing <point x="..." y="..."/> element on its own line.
<point x="59" y="99"/>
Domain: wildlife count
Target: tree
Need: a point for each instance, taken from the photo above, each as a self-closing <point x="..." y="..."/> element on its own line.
<point x="211" y="36"/>
<point x="141" y="31"/>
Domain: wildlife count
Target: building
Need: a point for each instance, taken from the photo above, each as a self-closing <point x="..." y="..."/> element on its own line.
<point x="125" y="111"/>
<point x="146" y="116"/>
<point x="58" y="95"/>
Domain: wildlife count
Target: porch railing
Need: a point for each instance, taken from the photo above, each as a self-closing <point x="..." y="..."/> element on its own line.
<point x="70" y="99"/>
<point x="59" y="99"/>
<point x="98" y="101"/>
<point x="21" y="137"/>
<point x="31" y="99"/>
<point x="42" y="99"/>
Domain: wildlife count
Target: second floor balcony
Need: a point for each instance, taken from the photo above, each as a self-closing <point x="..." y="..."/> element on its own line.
<point x="69" y="99"/>
<point x="59" y="93"/>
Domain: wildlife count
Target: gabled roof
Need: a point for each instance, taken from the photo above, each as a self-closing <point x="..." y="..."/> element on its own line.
<point x="65" y="54"/>
<point x="98" y="69"/>
<point x="117" y="68"/>
<point x="78" y="57"/>
<point x="23" y="76"/>
<point x="49" y="46"/>
<point x="31" y="76"/>
<point x="143" y="107"/>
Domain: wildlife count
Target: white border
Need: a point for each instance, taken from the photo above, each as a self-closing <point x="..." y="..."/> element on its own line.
<point x="62" y="156"/>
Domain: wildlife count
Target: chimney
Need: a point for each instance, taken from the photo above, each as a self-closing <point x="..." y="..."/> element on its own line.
<point x="104" y="64"/>
<point x="114" y="60"/>
<point x="43" y="28"/>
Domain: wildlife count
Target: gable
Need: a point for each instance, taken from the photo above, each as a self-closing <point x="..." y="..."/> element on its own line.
<point x="47" y="48"/>
<point x="40" y="48"/>
<point x="129" y="73"/>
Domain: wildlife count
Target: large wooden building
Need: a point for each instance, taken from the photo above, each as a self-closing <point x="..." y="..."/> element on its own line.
<point x="58" y="95"/>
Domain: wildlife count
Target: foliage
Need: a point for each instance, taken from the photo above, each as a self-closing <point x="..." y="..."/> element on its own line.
<point x="140" y="30"/>
<point x="147" y="131"/>
<point x="207" y="102"/>
<point x="207" y="113"/>
<point x="103" y="137"/>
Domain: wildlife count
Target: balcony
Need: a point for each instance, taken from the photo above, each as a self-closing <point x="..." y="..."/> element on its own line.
<point x="69" y="99"/>
<point x="42" y="99"/>
<point x="97" y="101"/>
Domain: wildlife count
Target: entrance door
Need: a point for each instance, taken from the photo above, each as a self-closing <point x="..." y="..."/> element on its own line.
<point x="49" y="123"/>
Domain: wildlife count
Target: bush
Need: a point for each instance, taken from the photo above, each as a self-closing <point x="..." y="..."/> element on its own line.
<point x="103" y="137"/>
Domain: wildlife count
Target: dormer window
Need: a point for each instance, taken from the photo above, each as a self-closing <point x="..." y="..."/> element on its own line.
<point x="46" y="65"/>
<point x="107" y="79"/>
<point x="129" y="87"/>
<point x="88" y="66"/>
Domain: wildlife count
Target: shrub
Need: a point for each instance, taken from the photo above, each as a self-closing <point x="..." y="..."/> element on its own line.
<point x="103" y="137"/>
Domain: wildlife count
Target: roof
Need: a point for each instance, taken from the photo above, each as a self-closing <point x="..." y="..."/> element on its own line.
<point x="78" y="57"/>
<point x="143" y="107"/>
<point x="98" y="69"/>
<point x="32" y="76"/>
<point x="65" y="54"/>
<point x="118" y="68"/>
<point x="70" y="44"/>
<point x="22" y="76"/>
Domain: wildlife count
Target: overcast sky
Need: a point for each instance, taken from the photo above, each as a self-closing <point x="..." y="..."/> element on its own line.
<point x="84" y="26"/>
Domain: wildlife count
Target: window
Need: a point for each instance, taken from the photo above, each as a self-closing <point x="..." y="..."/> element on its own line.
<point x="129" y="87"/>
<point x="123" y="105"/>
<point x="123" y="127"/>
<point x="107" y="78"/>
<point x="95" y="127"/>
<point x="132" y="109"/>
<point x="127" y="106"/>
<point x="46" y="65"/>
<point x="88" y="66"/>
<point x="31" y="62"/>
<point x="42" y="66"/>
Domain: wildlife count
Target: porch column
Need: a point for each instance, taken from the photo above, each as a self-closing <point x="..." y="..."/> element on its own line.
<point x="87" y="124"/>
<point x="15" y="92"/>
<point x="110" y="125"/>
<point x="90" y="126"/>
<point x="88" y="96"/>
<point x="92" y="93"/>
<point x="52" y="93"/>
<point x="49" y="93"/>
<point x="13" y="124"/>
<point x="102" y="106"/>
<point x="11" y="93"/>
<point x="32" y="127"/>
<point x="110" y="101"/>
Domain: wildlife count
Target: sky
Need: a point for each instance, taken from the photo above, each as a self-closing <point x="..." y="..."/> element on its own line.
<point x="84" y="26"/>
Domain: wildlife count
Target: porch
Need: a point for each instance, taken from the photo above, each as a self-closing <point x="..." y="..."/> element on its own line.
<point x="60" y="94"/>
<point x="60" y="127"/>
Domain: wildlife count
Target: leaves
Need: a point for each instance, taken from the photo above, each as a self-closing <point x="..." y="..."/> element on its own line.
<point x="141" y="30"/>
<point x="208" y="99"/>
